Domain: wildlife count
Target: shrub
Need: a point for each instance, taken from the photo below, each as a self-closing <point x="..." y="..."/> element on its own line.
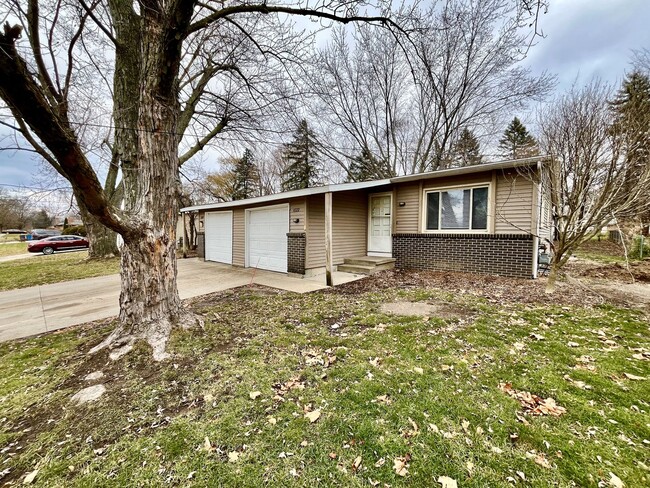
<point x="75" y="230"/>
<point x="635" y="252"/>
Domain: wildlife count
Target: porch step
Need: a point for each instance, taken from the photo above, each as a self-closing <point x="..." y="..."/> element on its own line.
<point x="366" y="265"/>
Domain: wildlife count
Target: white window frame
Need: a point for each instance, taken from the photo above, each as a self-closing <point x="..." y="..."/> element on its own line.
<point x="423" y="203"/>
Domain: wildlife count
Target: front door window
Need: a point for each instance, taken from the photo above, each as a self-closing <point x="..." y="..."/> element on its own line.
<point x="380" y="224"/>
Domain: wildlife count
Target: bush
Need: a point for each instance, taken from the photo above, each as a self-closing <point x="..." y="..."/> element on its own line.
<point x="75" y="230"/>
<point x="635" y="252"/>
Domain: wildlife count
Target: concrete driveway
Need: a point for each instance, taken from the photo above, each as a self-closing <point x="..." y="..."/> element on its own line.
<point x="45" y="308"/>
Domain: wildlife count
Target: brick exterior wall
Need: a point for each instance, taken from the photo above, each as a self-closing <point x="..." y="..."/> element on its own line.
<point x="200" y="244"/>
<point x="498" y="254"/>
<point x="296" y="252"/>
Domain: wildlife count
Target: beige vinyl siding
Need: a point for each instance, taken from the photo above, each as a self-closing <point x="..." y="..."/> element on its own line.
<point x="546" y="216"/>
<point x="238" y="237"/>
<point x="349" y="225"/>
<point x="514" y="200"/>
<point x="298" y="211"/>
<point x="315" y="245"/>
<point x="406" y="217"/>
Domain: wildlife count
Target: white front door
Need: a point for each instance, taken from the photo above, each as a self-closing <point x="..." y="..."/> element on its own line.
<point x="267" y="238"/>
<point x="380" y="225"/>
<point x="218" y="237"/>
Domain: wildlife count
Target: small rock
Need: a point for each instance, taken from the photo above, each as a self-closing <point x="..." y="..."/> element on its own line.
<point x="89" y="394"/>
<point x="94" y="376"/>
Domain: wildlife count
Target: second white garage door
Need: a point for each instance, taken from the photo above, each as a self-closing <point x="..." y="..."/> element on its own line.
<point x="267" y="238"/>
<point x="218" y="237"/>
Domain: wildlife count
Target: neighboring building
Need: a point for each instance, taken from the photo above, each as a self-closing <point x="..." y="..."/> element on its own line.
<point x="487" y="218"/>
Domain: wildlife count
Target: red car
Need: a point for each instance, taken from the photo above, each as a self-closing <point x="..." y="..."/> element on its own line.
<point x="57" y="243"/>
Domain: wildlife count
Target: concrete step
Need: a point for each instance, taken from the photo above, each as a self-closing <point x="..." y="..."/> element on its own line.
<point x="368" y="260"/>
<point x="364" y="268"/>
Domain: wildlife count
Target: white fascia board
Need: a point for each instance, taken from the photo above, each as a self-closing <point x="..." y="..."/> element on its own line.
<point x="289" y="195"/>
<point x="476" y="168"/>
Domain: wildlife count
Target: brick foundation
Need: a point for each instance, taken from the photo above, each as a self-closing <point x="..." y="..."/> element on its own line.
<point x="296" y="252"/>
<point x="200" y="244"/>
<point x="498" y="254"/>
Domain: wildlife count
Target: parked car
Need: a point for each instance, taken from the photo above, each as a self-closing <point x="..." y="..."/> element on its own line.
<point x="57" y="243"/>
<point x="43" y="233"/>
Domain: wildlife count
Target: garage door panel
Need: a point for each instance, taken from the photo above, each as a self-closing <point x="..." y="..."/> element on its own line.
<point x="218" y="237"/>
<point x="267" y="238"/>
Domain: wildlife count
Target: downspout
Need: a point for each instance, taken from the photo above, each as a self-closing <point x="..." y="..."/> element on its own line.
<point x="538" y="219"/>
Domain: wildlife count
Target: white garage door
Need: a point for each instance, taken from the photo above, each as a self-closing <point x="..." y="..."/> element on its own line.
<point x="218" y="237"/>
<point x="267" y="238"/>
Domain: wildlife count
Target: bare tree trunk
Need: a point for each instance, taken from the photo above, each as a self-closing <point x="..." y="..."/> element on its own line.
<point x="552" y="277"/>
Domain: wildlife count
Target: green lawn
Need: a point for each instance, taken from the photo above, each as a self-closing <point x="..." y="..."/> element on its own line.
<point x="57" y="267"/>
<point x="419" y="395"/>
<point x="13" y="248"/>
<point x="9" y="237"/>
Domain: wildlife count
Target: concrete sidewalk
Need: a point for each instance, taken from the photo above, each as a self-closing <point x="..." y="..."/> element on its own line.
<point x="45" y="308"/>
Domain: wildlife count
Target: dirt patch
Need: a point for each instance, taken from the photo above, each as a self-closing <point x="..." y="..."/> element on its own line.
<point x="604" y="246"/>
<point x="638" y="271"/>
<point x="423" y="309"/>
<point x="494" y="289"/>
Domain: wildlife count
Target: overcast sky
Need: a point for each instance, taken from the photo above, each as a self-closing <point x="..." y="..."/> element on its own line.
<point x="583" y="38"/>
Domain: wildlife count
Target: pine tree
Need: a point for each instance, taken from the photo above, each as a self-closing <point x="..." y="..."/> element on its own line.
<point x="467" y="150"/>
<point x="517" y="142"/>
<point x="303" y="166"/>
<point x="246" y="177"/>
<point x="365" y="167"/>
<point x="631" y="108"/>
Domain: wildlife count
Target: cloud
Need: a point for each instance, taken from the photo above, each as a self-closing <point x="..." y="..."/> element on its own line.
<point x="586" y="38"/>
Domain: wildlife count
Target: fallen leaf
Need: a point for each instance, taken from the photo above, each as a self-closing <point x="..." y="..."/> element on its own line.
<point x="418" y="370"/>
<point x="272" y="420"/>
<point x="521" y="475"/>
<point x="520" y="346"/>
<point x="630" y="376"/>
<point x="29" y="479"/>
<point x="400" y="465"/>
<point x="470" y="467"/>
<point x="207" y="445"/>
<point x="533" y="404"/>
<point x="537" y="337"/>
<point x="313" y="416"/>
<point x="572" y="344"/>
<point x="233" y="457"/>
<point x="374" y="362"/>
<point x="447" y="482"/>
<point x="254" y="394"/>
<point x="380" y="462"/>
<point x="615" y="481"/>
<point x="304" y="444"/>
<point x="356" y="463"/>
<point x="332" y="455"/>
<point x="191" y="475"/>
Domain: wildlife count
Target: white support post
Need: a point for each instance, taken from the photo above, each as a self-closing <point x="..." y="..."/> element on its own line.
<point x="328" y="239"/>
<point x="184" y="236"/>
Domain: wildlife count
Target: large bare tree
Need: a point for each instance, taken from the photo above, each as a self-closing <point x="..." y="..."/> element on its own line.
<point x="154" y="43"/>
<point x="407" y="102"/>
<point x="587" y="174"/>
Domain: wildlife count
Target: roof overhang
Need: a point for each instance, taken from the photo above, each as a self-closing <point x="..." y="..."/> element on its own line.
<point x="289" y="195"/>
<point x="477" y="168"/>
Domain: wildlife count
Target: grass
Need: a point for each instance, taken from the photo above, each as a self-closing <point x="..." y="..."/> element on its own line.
<point x="9" y="237"/>
<point x="13" y="249"/>
<point x="432" y="396"/>
<point x="55" y="268"/>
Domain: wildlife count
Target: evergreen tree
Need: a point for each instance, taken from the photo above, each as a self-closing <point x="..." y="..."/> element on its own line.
<point x="631" y="108"/>
<point x="41" y="220"/>
<point x="467" y="150"/>
<point x="517" y="142"/>
<point x="365" y="167"/>
<point x="246" y="177"/>
<point x="303" y="167"/>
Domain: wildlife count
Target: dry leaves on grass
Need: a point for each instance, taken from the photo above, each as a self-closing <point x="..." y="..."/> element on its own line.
<point x="312" y="416"/>
<point x="533" y="404"/>
<point x="634" y="377"/>
<point x="317" y="358"/>
<point x="447" y="482"/>
<point x="401" y="464"/>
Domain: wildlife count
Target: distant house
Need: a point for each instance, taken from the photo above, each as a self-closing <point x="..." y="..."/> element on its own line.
<point x="72" y="220"/>
<point x="486" y="218"/>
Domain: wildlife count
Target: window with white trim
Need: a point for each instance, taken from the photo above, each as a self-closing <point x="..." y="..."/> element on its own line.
<point x="459" y="209"/>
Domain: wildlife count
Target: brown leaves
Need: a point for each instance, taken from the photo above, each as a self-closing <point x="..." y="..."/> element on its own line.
<point x="447" y="482"/>
<point x="401" y="464"/>
<point x="315" y="358"/>
<point x="281" y="389"/>
<point x="633" y="377"/>
<point x="533" y="404"/>
<point x="313" y="416"/>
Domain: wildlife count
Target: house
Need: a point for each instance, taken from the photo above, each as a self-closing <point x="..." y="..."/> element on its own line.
<point x="486" y="218"/>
